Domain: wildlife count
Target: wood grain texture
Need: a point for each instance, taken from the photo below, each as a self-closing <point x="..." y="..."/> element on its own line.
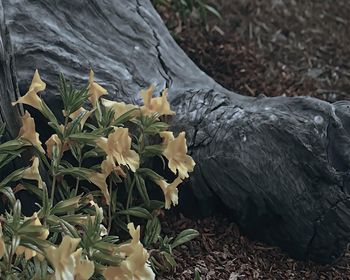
<point x="8" y="83"/>
<point x="279" y="166"/>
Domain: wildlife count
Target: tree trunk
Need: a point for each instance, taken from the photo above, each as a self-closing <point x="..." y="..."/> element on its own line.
<point x="279" y="166"/>
<point x="8" y="84"/>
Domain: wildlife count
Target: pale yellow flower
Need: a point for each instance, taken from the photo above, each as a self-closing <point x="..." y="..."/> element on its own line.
<point x="167" y="136"/>
<point x="104" y="231"/>
<point x="81" y="110"/>
<point x="108" y="166"/>
<point x="30" y="253"/>
<point x="84" y="269"/>
<point x="153" y="105"/>
<point x="95" y="90"/>
<point x="62" y="258"/>
<point x="28" y="132"/>
<point x="118" y="147"/>
<point x="135" y="266"/>
<point x="2" y="244"/>
<point x="32" y="173"/>
<point x="176" y="153"/>
<point x="54" y="140"/>
<point x="99" y="179"/>
<point x="170" y="191"/>
<point x="31" y="98"/>
<point x="120" y="108"/>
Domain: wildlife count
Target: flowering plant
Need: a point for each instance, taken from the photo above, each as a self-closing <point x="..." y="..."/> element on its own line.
<point x="91" y="182"/>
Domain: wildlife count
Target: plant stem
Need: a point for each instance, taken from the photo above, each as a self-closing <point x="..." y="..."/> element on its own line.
<point x="53" y="189"/>
<point x="78" y="179"/>
<point x="128" y="202"/>
<point x="110" y="208"/>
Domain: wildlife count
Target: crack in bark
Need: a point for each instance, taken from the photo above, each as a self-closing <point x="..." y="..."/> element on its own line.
<point x="165" y="75"/>
<point x="319" y="220"/>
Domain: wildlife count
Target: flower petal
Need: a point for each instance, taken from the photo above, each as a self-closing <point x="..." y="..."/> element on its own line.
<point x="31" y="98"/>
<point x="28" y="132"/>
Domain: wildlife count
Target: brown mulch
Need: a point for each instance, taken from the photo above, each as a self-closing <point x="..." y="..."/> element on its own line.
<point x="221" y="252"/>
<point x="274" y="47"/>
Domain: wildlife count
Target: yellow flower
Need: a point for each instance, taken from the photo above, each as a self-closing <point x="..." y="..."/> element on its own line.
<point x="31" y="98"/>
<point x="135" y="266"/>
<point x="167" y="137"/>
<point x="2" y="244"/>
<point x="176" y="153"/>
<point x="54" y="140"/>
<point x="170" y="191"/>
<point x="63" y="259"/>
<point x="108" y="166"/>
<point x="118" y="147"/>
<point x="120" y="108"/>
<point x="84" y="269"/>
<point x="95" y="90"/>
<point x="153" y="105"/>
<point x="32" y="173"/>
<point x="81" y="110"/>
<point x="28" y="132"/>
<point x="99" y="179"/>
<point x="30" y="253"/>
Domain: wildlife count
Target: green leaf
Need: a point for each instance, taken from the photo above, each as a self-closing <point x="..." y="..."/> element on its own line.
<point x="141" y="187"/>
<point x="31" y="230"/>
<point x="9" y="194"/>
<point x="69" y="229"/>
<point x="149" y="173"/>
<point x="75" y="124"/>
<point x="212" y="10"/>
<point x="105" y="247"/>
<point x="136" y="212"/>
<point x="107" y="259"/>
<point x="153" y="150"/>
<point x="46" y="204"/>
<point x="169" y="258"/>
<point x="56" y="127"/>
<point x="82" y="173"/>
<point x="73" y="99"/>
<point x="14" y="176"/>
<point x="7" y="158"/>
<point x="152" y="233"/>
<point x="66" y="206"/>
<point x="184" y="236"/>
<point x="124" y="117"/>
<point x="17" y="213"/>
<point x="153" y="205"/>
<point x="48" y="113"/>
<point x="33" y="242"/>
<point x="197" y="275"/>
<point x="13" y="145"/>
<point x="41" y="268"/>
<point x="84" y="137"/>
<point x="78" y="219"/>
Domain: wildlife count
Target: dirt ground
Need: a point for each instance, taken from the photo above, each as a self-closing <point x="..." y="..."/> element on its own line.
<point x="221" y="252"/>
<point x="274" y="47"/>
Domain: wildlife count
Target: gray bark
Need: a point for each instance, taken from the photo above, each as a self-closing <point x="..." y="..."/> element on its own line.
<point x="278" y="166"/>
<point x="8" y="84"/>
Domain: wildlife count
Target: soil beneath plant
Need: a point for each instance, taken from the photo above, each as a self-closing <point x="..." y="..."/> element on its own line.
<point x="221" y="252"/>
<point x="270" y="47"/>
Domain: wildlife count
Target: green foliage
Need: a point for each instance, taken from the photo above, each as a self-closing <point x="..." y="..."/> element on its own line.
<point x="88" y="194"/>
